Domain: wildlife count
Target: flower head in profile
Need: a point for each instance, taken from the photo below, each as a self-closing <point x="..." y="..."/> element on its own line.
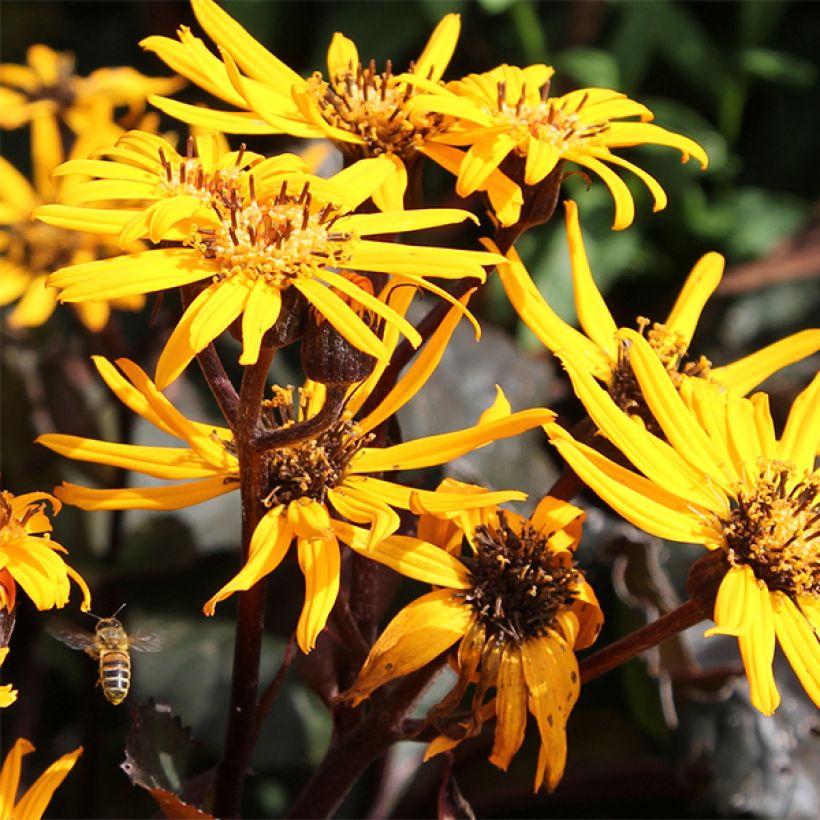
<point x="30" y="251"/>
<point x="249" y="234"/>
<point x="34" y="802"/>
<point x="29" y="557"/>
<point x="597" y="349"/>
<point x="720" y="477"/>
<point x="47" y="93"/>
<point x="518" y="608"/>
<point x="508" y="120"/>
<point x="313" y="486"/>
<point x="363" y="110"/>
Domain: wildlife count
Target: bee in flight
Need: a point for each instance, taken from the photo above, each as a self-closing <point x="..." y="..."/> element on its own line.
<point x="109" y="644"/>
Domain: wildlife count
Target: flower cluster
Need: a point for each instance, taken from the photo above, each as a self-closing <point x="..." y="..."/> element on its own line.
<point x="328" y="269"/>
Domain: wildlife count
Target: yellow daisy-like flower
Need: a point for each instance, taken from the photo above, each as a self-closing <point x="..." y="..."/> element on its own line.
<point x="47" y="92"/>
<point x="507" y="114"/>
<point x="32" y="805"/>
<point x="29" y="556"/>
<point x="30" y="251"/>
<point x="365" y="112"/>
<point x="721" y="478"/>
<point x="518" y="608"/>
<point x="252" y="233"/>
<point x="312" y="486"/>
<point x="598" y="349"/>
<point x="8" y="694"/>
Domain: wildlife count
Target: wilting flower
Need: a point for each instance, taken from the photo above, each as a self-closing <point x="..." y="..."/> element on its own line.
<point x="251" y="234"/>
<point x="509" y="121"/>
<point x="365" y="112"/>
<point x="8" y="694"/>
<point x="34" y="802"/>
<point x="721" y="478"/>
<point x="29" y="557"/>
<point x="46" y="92"/>
<point x="30" y="250"/>
<point x="311" y="486"/>
<point x="517" y="607"/>
<point x="598" y="351"/>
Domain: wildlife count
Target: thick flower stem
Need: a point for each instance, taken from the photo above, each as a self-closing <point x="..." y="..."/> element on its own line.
<point x="243" y="716"/>
<point x="686" y="615"/>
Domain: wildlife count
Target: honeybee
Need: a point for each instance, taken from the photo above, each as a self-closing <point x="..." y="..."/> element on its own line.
<point x="109" y="644"/>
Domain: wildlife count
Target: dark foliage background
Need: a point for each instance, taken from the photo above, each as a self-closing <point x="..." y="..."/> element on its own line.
<point x="668" y="739"/>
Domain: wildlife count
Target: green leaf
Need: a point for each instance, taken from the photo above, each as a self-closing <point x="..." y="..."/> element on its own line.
<point x="496" y="6"/>
<point x="590" y="67"/>
<point x="778" y="67"/>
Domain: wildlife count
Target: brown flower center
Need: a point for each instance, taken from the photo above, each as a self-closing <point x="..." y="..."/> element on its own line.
<point x="372" y="105"/>
<point x="518" y="584"/>
<point x="312" y="467"/>
<point x="774" y="528"/>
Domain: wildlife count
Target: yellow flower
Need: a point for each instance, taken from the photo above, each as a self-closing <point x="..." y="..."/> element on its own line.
<point x="46" y="92"/>
<point x="30" y="251"/>
<point x="34" y="802"/>
<point x="721" y="478"/>
<point x="252" y="233"/>
<point x="517" y="607"/>
<point x="598" y="351"/>
<point x="313" y="486"/>
<point x="8" y="694"/>
<point x="363" y="111"/>
<point x="29" y="557"/>
<point x="507" y="114"/>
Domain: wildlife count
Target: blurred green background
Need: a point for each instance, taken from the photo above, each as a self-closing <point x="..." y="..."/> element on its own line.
<point x="740" y="78"/>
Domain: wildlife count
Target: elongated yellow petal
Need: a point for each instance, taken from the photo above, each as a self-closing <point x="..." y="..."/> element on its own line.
<point x="593" y="314"/>
<point x="416" y="220"/>
<point x="269" y="545"/>
<point x="10" y="775"/>
<point x="254" y="58"/>
<point x="738" y="602"/>
<point x="342" y="56"/>
<point x="483" y="157"/>
<point x="642" y="502"/>
<point x="99" y="190"/>
<point x="699" y="286"/>
<point x="801" y="435"/>
<point x="16" y="188"/>
<point x="35" y="801"/>
<point x="103" y="221"/>
<point x="542" y="157"/>
<point x="438" y="502"/>
<point x="230" y="122"/>
<point x="46" y="152"/>
<point x="622" y="134"/>
<point x="310" y="519"/>
<point x="320" y="562"/>
<point x="160" y="462"/>
<point x="510" y="707"/>
<point x="261" y="311"/>
<point x="445" y="263"/>
<point x="436" y="56"/>
<point x="143" y="272"/>
<point x="757" y="651"/>
<point x="439" y="449"/>
<point x="172" y="497"/>
<point x="36" y="306"/>
<point x="658" y="194"/>
<point x="342" y="317"/>
<point x="411" y="557"/>
<point x="624" y="204"/>
<point x="365" y="508"/>
<point x="799" y="642"/>
<point x="420" y="632"/>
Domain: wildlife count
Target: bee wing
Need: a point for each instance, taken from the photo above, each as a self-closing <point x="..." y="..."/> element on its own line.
<point x="73" y="636"/>
<point x="144" y="641"/>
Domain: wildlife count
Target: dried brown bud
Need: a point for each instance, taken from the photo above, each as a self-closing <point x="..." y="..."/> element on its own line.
<point x="328" y="358"/>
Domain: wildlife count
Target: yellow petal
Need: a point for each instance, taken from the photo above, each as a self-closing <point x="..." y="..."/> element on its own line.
<point x="757" y="651"/>
<point x="799" y="643"/>
<point x="624" y="205"/>
<point x="542" y="157"/>
<point x="230" y="122"/>
<point x="310" y="518"/>
<point x="510" y="708"/>
<point x="342" y="57"/>
<point x="46" y="152"/>
<point x="36" y="306"/>
<point x="420" y="632"/>
<point x="10" y="775"/>
<point x="261" y="311"/>
<point x="638" y="133"/>
<point x="484" y="156"/>
<point x="593" y="314"/>
<point x="445" y="263"/>
<point x="269" y="545"/>
<point x="103" y="221"/>
<point x="16" y="189"/>
<point x="699" y="286"/>
<point x="426" y="452"/>
<point x="746" y="373"/>
<point x="802" y="431"/>
<point x="35" y="801"/>
<point x="320" y="562"/>
<point x="172" y="497"/>
<point x="738" y="602"/>
<point x="398" y="222"/>
<point x="436" y="56"/>
<point x="365" y="508"/>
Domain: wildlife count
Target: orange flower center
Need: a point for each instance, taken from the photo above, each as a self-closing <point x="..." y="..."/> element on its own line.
<point x="774" y="527"/>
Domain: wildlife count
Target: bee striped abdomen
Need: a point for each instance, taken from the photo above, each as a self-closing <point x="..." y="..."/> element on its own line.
<point x="115" y="675"/>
